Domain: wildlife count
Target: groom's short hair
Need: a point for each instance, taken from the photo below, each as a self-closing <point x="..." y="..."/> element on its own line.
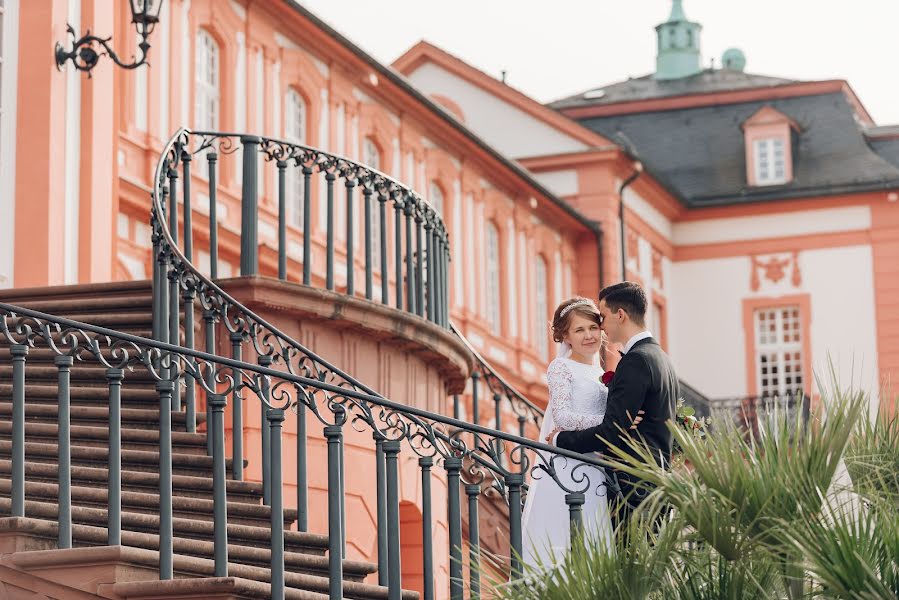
<point x="628" y="296"/>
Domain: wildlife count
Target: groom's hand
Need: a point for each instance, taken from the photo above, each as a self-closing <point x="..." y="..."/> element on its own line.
<point x="638" y="419"/>
<point x="552" y="435"/>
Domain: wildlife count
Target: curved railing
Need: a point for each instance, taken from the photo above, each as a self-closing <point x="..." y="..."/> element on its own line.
<point x="502" y="394"/>
<point x="176" y="279"/>
<point x="470" y="454"/>
<point x="422" y="260"/>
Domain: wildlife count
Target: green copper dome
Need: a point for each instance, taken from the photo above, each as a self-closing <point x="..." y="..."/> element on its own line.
<point x="733" y="59"/>
<point x="678" y="45"/>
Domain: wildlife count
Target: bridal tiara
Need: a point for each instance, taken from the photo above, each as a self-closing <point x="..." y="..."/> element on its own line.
<point x="573" y="305"/>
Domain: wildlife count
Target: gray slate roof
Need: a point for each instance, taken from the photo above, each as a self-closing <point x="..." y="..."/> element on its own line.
<point x="888" y="149"/>
<point x="646" y="88"/>
<point x="699" y="155"/>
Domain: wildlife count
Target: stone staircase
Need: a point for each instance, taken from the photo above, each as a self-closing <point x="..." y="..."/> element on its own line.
<point x="29" y="560"/>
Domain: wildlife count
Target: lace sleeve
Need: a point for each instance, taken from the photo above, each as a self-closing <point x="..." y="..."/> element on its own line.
<point x="558" y="378"/>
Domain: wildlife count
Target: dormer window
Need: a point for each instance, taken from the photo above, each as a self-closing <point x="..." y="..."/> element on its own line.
<point x="768" y="136"/>
<point x="770" y="161"/>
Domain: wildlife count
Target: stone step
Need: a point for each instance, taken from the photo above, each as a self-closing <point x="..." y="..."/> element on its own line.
<point x="81" y="374"/>
<point x="187" y="571"/>
<point x="83" y="436"/>
<point x="75" y="293"/>
<point x="187" y="486"/>
<point x="247" y="545"/>
<point x="241" y="513"/>
<point x="49" y="392"/>
<point x="62" y="307"/>
<point x="132" y="460"/>
<point x="132" y="418"/>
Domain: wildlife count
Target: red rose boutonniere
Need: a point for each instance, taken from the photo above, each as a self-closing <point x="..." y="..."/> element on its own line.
<point x="607" y="377"/>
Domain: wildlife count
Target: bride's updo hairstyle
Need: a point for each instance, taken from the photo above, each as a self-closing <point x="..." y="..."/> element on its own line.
<point x="578" y="305"/>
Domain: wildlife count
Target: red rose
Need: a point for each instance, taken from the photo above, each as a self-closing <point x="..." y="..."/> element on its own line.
<point x="607" y="377"/>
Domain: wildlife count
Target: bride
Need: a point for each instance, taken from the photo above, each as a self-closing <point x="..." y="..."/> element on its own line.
<point x="577" y="400"/>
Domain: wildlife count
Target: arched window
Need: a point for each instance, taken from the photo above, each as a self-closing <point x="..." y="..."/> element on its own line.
<point x="371" y="157"/>
<point x="207" y="88"/>
<point x="493" y="311"/>
<point x="541" y="331"/>
<point x="294" y="132"/>
<point x="435" y="197"/>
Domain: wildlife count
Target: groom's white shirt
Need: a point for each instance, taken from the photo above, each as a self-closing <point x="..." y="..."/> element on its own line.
<point x="627" y="348"/>
<point x="640" y="336"/>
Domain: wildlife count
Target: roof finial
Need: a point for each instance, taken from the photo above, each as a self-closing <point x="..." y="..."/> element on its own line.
<point x="677" y="12"/>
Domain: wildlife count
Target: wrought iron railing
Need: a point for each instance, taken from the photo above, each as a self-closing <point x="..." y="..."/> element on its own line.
<point x="487" y="461"/>
<point x="420" y="277"/>
<point x="420" y="272"/>
<point x="755" y="414"/>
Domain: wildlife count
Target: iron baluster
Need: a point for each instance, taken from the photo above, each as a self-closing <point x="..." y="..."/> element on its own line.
<point x="282" y="220"/>
<point x="426" y="462"/>
<point x="209" y="327"/>
<point x="307" y="228"/>
<point x="249" y="214"/>
<point x="410" y="266"/>
<point x="382" y="223"/>
<point x="188" y="227"/>
<point x="302" y="485"/>
<point x="429" y="280"/>
<point x="514" y="481"/>
<point x="381" y="483"/>
<point x="474" y="546"/>
<point x="217" y="403"/>
<point x="18" y="352"/>
<point x="64" y="435"/>
<point x="366" y="202"/>
<point x="350" y="255"/>
<point x="453" y="468"/>
<point x="329" y="275"/>
<point x="398" y="251"/>
<point x="575" y="502"/>
<point x="212" y="157"/>
<point x="236" y="411"/>
<point x="166" y="532"/>
<point x="114" y="379"/>
<point x="419" y="264"/>
<point x="333" y="434"/>
<point x="275" y="417"/>
<point x="266" y="393"/>
<point x="190" y="391"/>
<point x="394" y="569"/>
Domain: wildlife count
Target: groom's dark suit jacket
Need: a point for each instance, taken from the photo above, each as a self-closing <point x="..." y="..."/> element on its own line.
<point x="644" y="380"/>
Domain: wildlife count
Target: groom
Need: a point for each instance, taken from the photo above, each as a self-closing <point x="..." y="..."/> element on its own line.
<point x="644" y="381"/>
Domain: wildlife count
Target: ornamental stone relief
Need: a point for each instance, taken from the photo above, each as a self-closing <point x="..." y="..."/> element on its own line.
<point x="775" y="269"/>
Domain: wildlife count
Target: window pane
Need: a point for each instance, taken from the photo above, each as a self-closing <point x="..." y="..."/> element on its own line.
<point x="493" y="314"/>
<point x="436" y="197"/>
<point x="541" y="331"/>
<point x="371" y="157"/>
<point x="779" y="351"/>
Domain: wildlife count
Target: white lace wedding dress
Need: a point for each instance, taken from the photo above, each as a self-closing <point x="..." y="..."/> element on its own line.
<point x="577" y="400"/>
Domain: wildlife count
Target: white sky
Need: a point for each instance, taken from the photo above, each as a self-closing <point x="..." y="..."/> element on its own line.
<point x="554" y="49"/>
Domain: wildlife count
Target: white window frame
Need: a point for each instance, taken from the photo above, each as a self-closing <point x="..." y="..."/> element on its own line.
<point x="207" y="82"/>
<point x="371" y="157"/>
<point x="779" y="356"/>
<point x="493" y="278"/>
<point x="295" y="120"/>
<point x="435" y="197"/>
<point x="770" y="160"/>
<point x="9" y="19"/>
<point x="541" y="291"/>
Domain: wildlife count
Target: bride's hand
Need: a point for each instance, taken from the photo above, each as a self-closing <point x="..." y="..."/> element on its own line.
<point x="611" y="356"/>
